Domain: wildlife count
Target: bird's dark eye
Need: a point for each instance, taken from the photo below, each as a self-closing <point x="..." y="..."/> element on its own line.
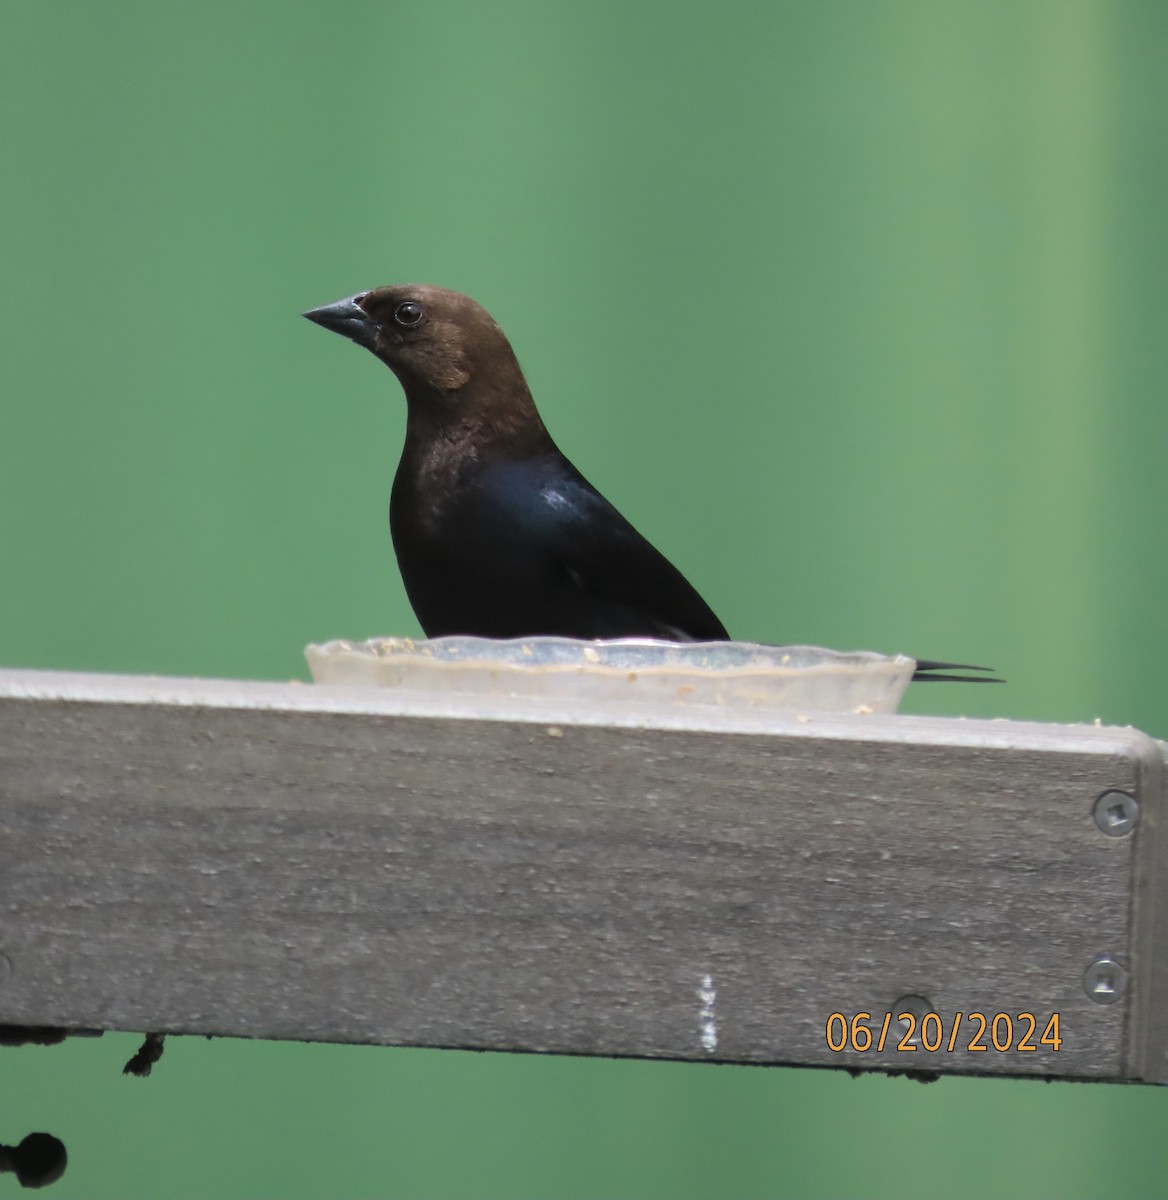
<point x="408" y="313"/>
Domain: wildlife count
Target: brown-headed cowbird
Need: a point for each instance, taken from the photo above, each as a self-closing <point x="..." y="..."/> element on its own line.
<point x="497" y="534"/>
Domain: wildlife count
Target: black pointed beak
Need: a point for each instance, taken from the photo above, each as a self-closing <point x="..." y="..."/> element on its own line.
<point x="346" y="317"/>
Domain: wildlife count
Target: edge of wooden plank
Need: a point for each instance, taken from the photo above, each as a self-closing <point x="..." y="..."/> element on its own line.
<point x="996" y="733"/>
<point x="1149" y="1023"/>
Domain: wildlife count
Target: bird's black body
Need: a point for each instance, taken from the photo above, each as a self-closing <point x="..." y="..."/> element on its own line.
<point x="496" y="533"/>
<point x="528" y="547"/>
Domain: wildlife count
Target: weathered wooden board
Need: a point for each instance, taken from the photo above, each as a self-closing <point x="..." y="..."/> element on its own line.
<point x="288" y="861"/>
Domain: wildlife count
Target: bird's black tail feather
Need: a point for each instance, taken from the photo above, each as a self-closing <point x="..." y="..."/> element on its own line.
<point x="927" y="669"/>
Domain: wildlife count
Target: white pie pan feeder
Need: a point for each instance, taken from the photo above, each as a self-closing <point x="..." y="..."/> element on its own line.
<point x="720" y="674"/>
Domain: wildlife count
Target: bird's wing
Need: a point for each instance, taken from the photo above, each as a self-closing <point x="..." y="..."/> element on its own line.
<point x="568" y="521"/>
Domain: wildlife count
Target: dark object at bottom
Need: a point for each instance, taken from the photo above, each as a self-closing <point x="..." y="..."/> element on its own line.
<point x="146" y="1056"/>
<point x="39" y="1160"/>
<point x="31" y="1035"/>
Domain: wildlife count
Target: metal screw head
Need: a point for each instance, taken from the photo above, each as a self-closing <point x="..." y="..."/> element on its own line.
<point x="918" y="1006"/>
<point x="1116" y="812"/>
<point x="1104" y="980"/>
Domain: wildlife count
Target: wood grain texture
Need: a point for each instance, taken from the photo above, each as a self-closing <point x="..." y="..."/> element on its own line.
<point x="287" y="861"/>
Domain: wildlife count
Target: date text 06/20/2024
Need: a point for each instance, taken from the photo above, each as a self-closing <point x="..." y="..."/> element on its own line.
<point x="961" y="1032"/>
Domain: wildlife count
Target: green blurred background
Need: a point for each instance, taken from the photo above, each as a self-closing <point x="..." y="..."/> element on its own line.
<point x="856" y="309"/>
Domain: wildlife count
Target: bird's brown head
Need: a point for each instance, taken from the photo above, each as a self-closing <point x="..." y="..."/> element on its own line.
<point x="435" y="341"/>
